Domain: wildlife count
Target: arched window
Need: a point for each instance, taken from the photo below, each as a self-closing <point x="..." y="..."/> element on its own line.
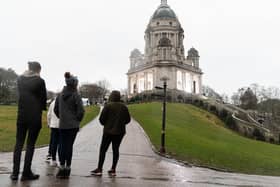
<point x="164" y="54"/>
<point x="134" y="88"/>
<point x="164" y="42"/>
<point x="141" y="84"/>
<point x="194" y="87"/>
<point x="150" y="81"/>
<point x="179" y="80"/>
<point x="188" y="83"/>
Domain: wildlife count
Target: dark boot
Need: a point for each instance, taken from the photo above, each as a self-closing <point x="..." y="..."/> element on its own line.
<point x="29" y="176"/>
<point x="67" y="172"/>
<point x="61" y="173"/>
<point x="14" y="177"/>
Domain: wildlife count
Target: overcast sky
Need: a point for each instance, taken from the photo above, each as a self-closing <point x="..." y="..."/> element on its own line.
<point x="238" y="40"/>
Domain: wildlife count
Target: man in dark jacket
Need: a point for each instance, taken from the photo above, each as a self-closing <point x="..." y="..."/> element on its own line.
<point x="114" y="118"/>
<point x="32" y="101"/>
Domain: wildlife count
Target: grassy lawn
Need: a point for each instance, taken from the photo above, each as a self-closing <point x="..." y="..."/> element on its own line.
<point x="201" y="138"/>
<point x="8" y="115"/>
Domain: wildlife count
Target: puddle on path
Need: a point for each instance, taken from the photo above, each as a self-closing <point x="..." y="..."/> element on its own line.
<point x="156" y="178"/>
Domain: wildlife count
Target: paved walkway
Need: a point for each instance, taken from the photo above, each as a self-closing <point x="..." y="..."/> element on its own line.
<point x="138" y="166"/>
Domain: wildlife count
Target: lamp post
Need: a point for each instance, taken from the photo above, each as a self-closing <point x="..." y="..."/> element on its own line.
<point x="164" y="79"/>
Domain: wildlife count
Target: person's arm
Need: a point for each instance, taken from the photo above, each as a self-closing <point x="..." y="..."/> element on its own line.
<point x="127" y="115"/>
<point x="80" y="108"/>
<point x="56" y="106"/>
<point x="103" y="115"/>
<point x="49" y="115"/>
<point x="43" y="95"/>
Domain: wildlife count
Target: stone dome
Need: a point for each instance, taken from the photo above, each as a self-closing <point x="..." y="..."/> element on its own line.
<point x="135" y="53"/>
<point x="193" y="52"/>
<point x="164" y="12"/>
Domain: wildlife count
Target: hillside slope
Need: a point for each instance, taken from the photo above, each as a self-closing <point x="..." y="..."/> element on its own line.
<point x="201" y="138"/>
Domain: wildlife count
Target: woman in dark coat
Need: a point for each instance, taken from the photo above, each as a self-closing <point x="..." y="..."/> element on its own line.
<point x="69" y="109"/>
<point x="114" y="117"/>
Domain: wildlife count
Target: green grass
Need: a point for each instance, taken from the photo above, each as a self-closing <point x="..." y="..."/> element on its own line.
<point x="199" y="137"/>
<point x="8" y="115"/>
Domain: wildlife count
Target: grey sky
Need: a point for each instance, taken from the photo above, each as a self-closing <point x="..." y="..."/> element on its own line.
<point x="238" y="40"/>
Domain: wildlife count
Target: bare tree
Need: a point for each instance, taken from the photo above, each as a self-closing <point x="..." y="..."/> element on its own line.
<point x="225" y="98"/>
<point x="270" y="103"/>
<point x="235" y="99"/>
<point x="8" y="91"/>
<point x="105" y="85"/>
<point x="95" y="92"/>
<point x="249" y="99"/>
<point x="211" y="93"/>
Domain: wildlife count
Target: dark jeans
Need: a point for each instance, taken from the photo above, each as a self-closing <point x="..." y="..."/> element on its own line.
<point x="67" y="138"/>
<point x="33" y="132"/>
<point x="50" y="148"/>
<point x="107" y="139"/>
<point x="54" y="142"/>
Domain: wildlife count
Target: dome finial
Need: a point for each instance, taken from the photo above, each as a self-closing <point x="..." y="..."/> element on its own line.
<point x="163" y="2"/>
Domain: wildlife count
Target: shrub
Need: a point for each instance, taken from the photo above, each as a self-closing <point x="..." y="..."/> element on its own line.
<point x="205" y="106"/>
<point x="180" y="98"/>
<point x="144" y="96"/>
<point x="223" y="114"/>
<point x="196" y="102"/>
<point x="169" y="98"/>
<point x="258" y="135"/>
<point x="201" y="103"/>
<point x="131" y="100"/>
<point x="188" y="100"/>
<point x="213" y="109"/>
<point x="230" y="122"/>
<point x="271" y="140"/>
<point x="137" y="98"/>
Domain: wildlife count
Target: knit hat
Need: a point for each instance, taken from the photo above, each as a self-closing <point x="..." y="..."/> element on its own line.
<point x="70" y="80"/>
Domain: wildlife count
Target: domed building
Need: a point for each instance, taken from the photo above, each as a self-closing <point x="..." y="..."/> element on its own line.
<point x="164" y="57"/>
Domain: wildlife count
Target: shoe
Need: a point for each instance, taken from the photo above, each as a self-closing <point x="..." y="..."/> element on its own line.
<point x="30" y="176"/>
<point x="61" y="173"/>
<point x="67" y="172"/>
<point x="14" y="177"/>
<point x="96" y="172"/>
<point x="53" y="163"/>
<point x="48" y="158"/>
<point x="112" y="173"/>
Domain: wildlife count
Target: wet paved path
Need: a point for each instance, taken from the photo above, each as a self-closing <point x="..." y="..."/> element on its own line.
<point x="138" y="166"/>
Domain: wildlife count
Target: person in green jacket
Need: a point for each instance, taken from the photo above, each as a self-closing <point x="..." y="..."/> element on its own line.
<point x="114" y="117"/>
